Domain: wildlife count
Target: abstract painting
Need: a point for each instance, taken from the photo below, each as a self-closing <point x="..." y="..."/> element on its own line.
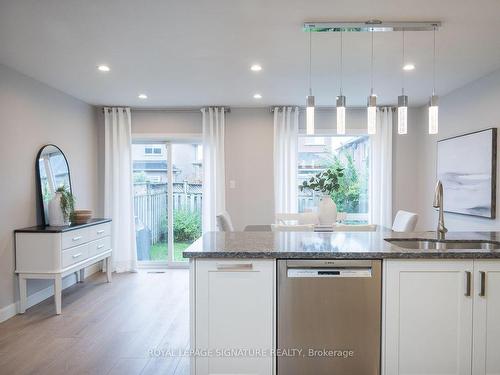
<point x="466" y="165"/>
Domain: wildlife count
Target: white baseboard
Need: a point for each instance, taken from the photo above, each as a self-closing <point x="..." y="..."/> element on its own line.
<point x="11" y="310"/>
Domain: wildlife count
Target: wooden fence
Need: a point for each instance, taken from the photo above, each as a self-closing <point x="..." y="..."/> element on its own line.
<point x="150" y="208"/>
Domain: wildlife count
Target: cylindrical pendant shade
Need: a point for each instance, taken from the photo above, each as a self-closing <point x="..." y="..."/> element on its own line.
<point x="310" y="115"/>
<point x="433" y="115"/>
<point x="341" y="114"/>
<point x="372" y="114"/>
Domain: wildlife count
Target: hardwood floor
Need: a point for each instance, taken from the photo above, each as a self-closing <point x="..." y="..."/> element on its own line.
<point x="104" y="328"/>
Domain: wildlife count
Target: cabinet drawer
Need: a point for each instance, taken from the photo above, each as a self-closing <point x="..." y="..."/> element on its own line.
<point x="99" y="231"/>
<point x="74" y="255"/>
<point x="74" y="238"/>
<point x="99" y="246"/>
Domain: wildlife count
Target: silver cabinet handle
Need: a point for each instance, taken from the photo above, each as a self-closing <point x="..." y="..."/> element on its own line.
<point x="234" y="267"/>
<point x="77" y="238"/>
<point x="100" y="231"/>
<point x="100" y="246"/>
<point x="482" y="288"/>
<point x="77" y="255"/>
<point x="467" y="283"/>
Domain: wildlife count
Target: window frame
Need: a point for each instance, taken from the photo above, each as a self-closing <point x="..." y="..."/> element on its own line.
<point x="349" y="133"/>
<point x="168" y="140"/>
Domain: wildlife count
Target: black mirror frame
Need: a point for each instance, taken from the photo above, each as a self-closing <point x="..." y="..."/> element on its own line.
<point x="41" y="210"/>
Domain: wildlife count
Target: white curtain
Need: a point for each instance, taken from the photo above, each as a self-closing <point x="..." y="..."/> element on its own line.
<point x="286" y="127"/>
<point x="381" y="170"/>
<point x="118" y="199"/>
<point x="214" y="178"/>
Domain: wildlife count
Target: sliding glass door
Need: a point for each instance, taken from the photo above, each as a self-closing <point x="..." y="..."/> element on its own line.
<point x="167" y="200"/>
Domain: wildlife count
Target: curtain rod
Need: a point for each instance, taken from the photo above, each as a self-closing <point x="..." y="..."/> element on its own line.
<point x="325" y="108"/>
<point x="170" y="109"/>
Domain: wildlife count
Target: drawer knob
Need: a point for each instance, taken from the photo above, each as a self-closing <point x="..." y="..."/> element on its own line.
<point x="100" y="246"/>
<point x="77" y="238"/>
<point x="77" y="255"/>
<point x="100" y="231"/>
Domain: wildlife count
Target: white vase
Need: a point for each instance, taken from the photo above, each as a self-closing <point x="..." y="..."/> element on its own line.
<point x="56" y="217"/>
<point x="327" y="211"/>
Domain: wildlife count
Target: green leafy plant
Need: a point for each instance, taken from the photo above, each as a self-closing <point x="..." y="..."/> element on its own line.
<point x="326" y="182"/>
<point x="187" y="226"/>
<point x="67" y="202"/>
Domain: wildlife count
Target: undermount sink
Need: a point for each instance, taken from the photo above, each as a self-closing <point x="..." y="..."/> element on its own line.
<point x="443" y="245"/>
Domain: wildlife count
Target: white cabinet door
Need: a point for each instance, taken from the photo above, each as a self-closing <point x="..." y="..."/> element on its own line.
<point x="428" y="317"/>
<point x="234" y="310"/>
<point x="486" y="343"/>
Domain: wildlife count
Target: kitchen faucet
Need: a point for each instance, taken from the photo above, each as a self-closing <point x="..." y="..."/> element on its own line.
<point x="438" y="203"/>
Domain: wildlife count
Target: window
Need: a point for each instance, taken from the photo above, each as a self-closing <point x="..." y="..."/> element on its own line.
<point x="153" y="151"/>
<point x="168" y="190"/>
<point x="348" y="152"/>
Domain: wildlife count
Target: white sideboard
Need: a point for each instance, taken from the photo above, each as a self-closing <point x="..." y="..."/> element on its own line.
<point x="55" y="252"/>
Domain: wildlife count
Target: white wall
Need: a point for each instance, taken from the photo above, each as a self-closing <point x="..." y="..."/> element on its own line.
<point x="31" y="115"/>
<point x="470" y="108"/>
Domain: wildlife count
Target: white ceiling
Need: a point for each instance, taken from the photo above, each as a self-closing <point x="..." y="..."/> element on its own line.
<point x="191" y="53"/>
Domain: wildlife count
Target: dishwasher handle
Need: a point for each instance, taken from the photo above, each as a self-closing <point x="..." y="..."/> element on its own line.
<point x="355" y="272"/>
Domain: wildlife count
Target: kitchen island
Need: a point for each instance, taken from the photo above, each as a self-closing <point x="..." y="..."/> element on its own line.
<point x="438" y="299"/>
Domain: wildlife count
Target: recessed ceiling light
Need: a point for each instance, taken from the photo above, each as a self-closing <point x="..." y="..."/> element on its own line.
<point x="257" y="96"/>
<point x="256" y="68"/>
<point x="409" y="67"/>
<point x="142" y="96"/>
<point x="103" y="68"/>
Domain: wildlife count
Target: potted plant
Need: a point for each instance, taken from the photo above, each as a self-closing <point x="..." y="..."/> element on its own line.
<point x="61" y="207"/>
<point x="325" y="183"/>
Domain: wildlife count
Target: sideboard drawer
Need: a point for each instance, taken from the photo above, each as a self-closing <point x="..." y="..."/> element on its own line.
<point x="74" y="238"/>
<point x="99" y="246"/>
<point x="74" y="255"/>
<point x="99" y="231"/>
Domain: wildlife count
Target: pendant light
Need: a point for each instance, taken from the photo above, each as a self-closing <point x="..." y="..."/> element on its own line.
<point x="403" y="100"/>
<point x="310" y="97"/>
<point x="371" y="110"/>
<point x="433" y="102"/>
<point x="341" y="97"/>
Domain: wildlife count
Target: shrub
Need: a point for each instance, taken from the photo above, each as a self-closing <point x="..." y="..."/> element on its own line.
<point x="187" y="226"/>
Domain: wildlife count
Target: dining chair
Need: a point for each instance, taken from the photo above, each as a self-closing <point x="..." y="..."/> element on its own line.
<point x="405" y="221"/>
<point x="224" y="222"/>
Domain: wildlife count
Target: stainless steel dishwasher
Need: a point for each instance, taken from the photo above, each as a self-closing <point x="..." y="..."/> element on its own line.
<point x="329" y="317"/>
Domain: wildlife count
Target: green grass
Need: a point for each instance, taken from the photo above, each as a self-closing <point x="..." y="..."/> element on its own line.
<point x="159" y="251"/>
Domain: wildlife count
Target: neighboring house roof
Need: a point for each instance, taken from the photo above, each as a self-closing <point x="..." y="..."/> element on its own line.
<point x="152" y="166"/>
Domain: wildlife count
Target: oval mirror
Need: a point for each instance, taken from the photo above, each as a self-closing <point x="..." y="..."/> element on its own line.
<point x="52" y="172"/>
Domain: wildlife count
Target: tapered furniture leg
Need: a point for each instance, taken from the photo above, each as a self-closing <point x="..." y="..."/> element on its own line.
<point x="108" y="269"/>
<point x="22" y="294"/>
<point x="82" y="275"/>
<point x="58" y="293"/>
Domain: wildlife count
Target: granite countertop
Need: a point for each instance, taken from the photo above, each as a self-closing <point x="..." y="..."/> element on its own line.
<point x="65" y="228"/>
<point x="333" y="245"/>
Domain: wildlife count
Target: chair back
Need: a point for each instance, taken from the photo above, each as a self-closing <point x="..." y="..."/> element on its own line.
<point x="224" y="222"/>
<point x="405" y="221"/>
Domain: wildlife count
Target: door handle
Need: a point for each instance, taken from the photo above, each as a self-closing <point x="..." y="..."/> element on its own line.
<point x="77" y="255"/>
<point x="77" y="238"/>
<point x="100" y="246"/>
<point x="234" y="267"/>
<point x="482" y="287"/>
<point x="100" y="231"/>
<point x="467" y="283"/>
